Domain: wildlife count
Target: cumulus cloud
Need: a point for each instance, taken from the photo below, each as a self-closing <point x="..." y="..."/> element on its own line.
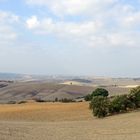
<point x="8" y="17"/>
<point x="7" y="31"/>
<point x="73" y="7"/>
<point x="107" y="22"/>
<point x="32" y="22"/>
<point x="132" y="20"/>
<point x="62" y="28"/>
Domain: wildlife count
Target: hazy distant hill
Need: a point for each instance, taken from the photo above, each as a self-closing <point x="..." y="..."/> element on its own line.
<point x="27" y="87"/>
<point x="83" y="80"/>
<point x="10" y="76"/>
<point x="49" y="91"/>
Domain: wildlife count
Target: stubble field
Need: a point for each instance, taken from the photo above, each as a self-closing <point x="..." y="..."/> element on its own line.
<point x="60" y="121"/>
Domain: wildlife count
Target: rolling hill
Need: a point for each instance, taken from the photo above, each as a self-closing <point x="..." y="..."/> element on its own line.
<point x="19" y="91"/>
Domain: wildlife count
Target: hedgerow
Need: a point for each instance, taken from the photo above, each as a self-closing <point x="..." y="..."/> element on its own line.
<point x="103" y="106"/>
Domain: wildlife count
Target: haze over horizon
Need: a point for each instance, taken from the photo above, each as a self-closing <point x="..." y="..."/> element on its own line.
<point x="73" y="37"/>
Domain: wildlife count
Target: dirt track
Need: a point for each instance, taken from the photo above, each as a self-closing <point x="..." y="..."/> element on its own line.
<point x="64" y="122"/>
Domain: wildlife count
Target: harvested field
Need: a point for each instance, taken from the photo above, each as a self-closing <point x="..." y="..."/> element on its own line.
<point x="46" y="112"/>
<point x="49" y="91"/>
<point x="58" y="121"/>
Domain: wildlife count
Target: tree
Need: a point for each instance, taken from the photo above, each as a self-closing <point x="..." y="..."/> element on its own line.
<point x="134" y="96"/>
<point x="88" y="97"/>
<point x="120" y="104"/>
<point x="99" y="106"/>
<point x="100" y="92"/>
<point x="97" y="92"/>
<point x="56" y="99"/>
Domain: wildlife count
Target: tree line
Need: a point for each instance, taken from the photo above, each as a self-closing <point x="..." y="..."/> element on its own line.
<point x="102" y="105"/>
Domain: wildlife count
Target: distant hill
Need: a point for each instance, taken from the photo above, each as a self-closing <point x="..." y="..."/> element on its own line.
<point x="18" y="91"/>
<point x="28" y="90"/>
<point x="17" y="87"/>
<point x="82" y="80"/>
<point x="10" y="76"/>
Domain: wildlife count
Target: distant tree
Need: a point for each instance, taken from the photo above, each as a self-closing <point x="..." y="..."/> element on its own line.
<point x="66" y="100"/>
<point x="56" y="99"/>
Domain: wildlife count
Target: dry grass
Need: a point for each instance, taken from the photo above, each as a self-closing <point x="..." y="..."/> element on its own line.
<point x="46" y="112"/>
<point x="58" y="121"/>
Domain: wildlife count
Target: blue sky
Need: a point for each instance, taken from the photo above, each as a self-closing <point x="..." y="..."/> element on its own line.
<point x="73" y="37"/>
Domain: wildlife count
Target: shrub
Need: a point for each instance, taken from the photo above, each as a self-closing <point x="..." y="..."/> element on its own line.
<point x="120" y="104"/>
<point x="134" y="96"/>
<point x="12" y="102"/>
<point x="99" y="106"/>
<point x="39" y="100"/>
<point x="22" y="102"/>
<point x="66" y="100"/>
<point x="100" y="92"/>
<point x="97" y="92"/>
<point x="103" y="106"/>
<point x="56" y="99"/>
<point x="88" y="97"/>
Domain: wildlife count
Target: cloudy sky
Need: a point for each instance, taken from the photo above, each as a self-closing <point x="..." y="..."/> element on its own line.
<point x="70" y="37"/>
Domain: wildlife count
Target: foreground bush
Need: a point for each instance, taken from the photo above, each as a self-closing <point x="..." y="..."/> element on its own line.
<point x="100" y="92"/>
<point x="120" y="104"/>
<point x="134" y="96"/>
<point x="103" y="106"/>
<point x="99" y="106"/>
<point x="97" y="92"/>
<point x="88" y="97"/>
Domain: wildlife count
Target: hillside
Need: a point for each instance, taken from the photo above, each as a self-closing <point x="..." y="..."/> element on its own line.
<point x="18" y="87"/>
<point x="19" y="91"/>
<point x="46" y="91"/>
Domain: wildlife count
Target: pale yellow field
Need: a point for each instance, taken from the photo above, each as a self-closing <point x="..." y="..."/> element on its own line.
<point x="46" y="112"/>
<point x="58" y="121"/>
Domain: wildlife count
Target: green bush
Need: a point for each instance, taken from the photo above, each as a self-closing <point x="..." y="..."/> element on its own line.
<point x="22" y="102"/>
<point x="66" y="100"/>
<point x="39" y="100"/>
<point x="97" y="92"/>
<point x="88" y="97"/>
<point x="100" y="92"/>
<point x="103" y="106"/>
<point x="12" y="102"/>
<point x="134" y="96"/>
<point x="56" y="99"/>
<point x="120" y="104"/>
<point x="99" y="106"/>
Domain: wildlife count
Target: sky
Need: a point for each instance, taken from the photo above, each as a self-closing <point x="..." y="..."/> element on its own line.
<point x="70" y="37"/>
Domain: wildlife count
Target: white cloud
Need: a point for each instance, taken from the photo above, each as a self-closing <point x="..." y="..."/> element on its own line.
<point x="107" y="22"/>
<point x="62" y="28"/>
<point x="88" y="33"/>
<point x="32" y="22"/>
<point x="73" y="7"/>
<point x="132" y="20"/>
<point x="8" y="17"/>
<point x="7" y="31"/>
